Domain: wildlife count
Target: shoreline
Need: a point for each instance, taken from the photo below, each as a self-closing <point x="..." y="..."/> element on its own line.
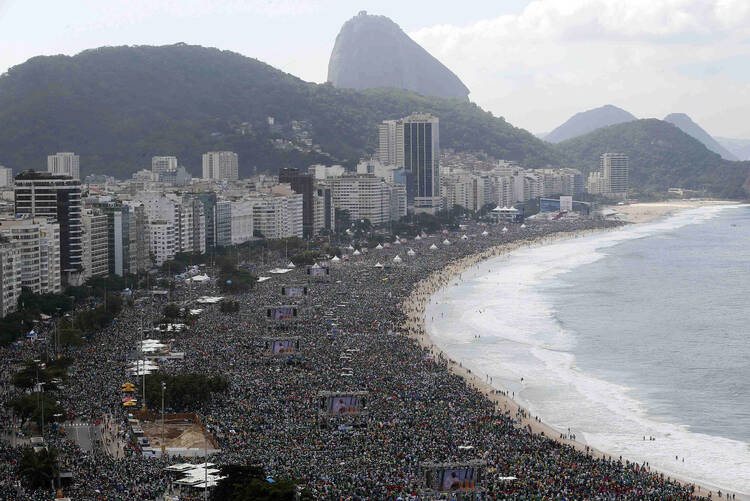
<point x="415" y="305"/>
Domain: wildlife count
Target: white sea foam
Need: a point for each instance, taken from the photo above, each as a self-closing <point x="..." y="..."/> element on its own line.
<point x="502" y="301"/>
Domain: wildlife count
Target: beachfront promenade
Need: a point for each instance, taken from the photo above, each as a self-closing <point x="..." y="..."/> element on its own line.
<point x="366" y="319"/>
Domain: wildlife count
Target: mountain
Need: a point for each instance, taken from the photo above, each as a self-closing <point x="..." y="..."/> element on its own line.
<point x="118" y="106"/>
<point x="686" y="124"/>
<point x="738" y="147"/>
<point x="661" y="156"/>
<point x="373" y="51"/>
<point x="587" y="121"/>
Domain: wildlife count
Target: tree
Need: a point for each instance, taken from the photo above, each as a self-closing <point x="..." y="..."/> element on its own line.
<point x="249" y="483"/>
<point x="38" y="469"/>
<point x="171" y="311"/>
<point x="30" y="407"/>
<point x="184" y="392"/>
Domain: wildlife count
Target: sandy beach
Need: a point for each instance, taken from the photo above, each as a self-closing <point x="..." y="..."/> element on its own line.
<point x="643" y="212"/>
<point x="416" y="304"/>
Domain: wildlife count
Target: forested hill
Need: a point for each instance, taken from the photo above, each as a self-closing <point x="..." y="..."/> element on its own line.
<point x="118" y="106"/>
<point x="661" y="156"/>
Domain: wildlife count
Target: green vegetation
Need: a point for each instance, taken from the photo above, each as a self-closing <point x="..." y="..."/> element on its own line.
<point x="661" y="156"/>
<point x="26" y="378"/>
<point x="305" y="258"/>
<point x="38" y="469"/>
<point x="183" y="392"/>
<point x="248" y="483"/>
<point x="31" y="407"/>
<point x="128" y="103"/>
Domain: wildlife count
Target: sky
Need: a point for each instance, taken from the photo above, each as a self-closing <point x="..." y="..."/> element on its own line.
<point x="533" y="62"/>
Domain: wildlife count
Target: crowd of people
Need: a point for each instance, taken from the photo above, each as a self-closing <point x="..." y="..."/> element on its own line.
<point x="417" y="410"/>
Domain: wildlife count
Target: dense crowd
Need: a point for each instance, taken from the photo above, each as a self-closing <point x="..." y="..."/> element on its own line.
<point x="417" y="409"/>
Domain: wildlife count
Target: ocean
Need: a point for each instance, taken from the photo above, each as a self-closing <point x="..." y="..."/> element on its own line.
<point x="643" y="331"/>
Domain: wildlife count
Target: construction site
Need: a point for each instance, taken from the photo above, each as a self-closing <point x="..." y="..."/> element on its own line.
<point x="183" y="434"/>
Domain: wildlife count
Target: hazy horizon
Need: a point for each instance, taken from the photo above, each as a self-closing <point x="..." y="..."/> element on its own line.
<point x="536" y="63"/>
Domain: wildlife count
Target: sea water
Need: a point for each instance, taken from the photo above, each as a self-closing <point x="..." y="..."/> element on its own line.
<point x="638" y="332"/>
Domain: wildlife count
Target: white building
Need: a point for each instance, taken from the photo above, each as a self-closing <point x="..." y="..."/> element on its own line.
<point x="163" y="241"/>
<point x="387" y="142"/>
<point x="163" y="164"/>
<point x="321" y="172"/>
<point x="95" y="244"/>
<point x="614" y="171"/>
<point x="278" y="214"/>
<point x="364" y="196"/>
<point x="65" y="163"/>
<point x="38" y="243"/>
<point x="10" y="276"/>
<point x="242" y="221"/>
<point x="6" y="177"/>
<point x="220" y="166"/>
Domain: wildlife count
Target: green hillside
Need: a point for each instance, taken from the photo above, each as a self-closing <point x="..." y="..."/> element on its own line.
<point x="118" y="106"/>
<point x="661" y="156"/>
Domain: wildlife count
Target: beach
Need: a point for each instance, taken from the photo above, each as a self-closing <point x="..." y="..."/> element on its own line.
<point x="417" y="304"/>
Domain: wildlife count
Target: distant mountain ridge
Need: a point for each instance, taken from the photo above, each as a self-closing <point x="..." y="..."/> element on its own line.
<point x="373" y="51"/>
<point x="588" y="121"/>
<point x="738" y="147"/>
<point x="661" y="156"/>
<point x="118" y="106"/>
<point x="686" y="124"/>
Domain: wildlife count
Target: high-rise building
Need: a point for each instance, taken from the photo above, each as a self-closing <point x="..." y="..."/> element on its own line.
<point x="6" y="177"/>
<point x="614" y="172"/>
<point x="242" y="221"/>
<point x="220" y="166"/>
<point x="65" y="163"/>
<point x="278" y="214"/>
<point x="223" y="223"/>
<point x="325" y="211"/>
<point x="364" y="196"/>
<point x="209" y="216"/>
<point x="386" y="154"/>
<point x="163" y="164"/>
<point x="418" y="153"/>
<point x="302" y="184"/>
<point x="95" y="243"/>
<point x="10" y="276"/>
<point x="163" y="241"/>
<point x="38" y="244"/>
<point x="42" y="194"/>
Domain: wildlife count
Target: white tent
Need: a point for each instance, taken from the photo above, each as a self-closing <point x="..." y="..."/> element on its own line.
<point x="290" y="265"/>
<point x="378" y="265"/>
<point x="378" y="246"/>
<point x="446" y="242"/>
<point x="335" y="259"/>
<point x="315" y="265"/>
<point x="397" y="242"/>
<point x="464" y="237"/>
<point x="411" y="252"/>
<point x="200" y="278"/>
<point x="417" y="238"/>
<point x="433" y="247"/>
<point x="484" y="233"/>
<point x="505" y="230"/>
<point x="397" y="259"/>
<point x="356" y="253"/>
<point x="350" y="247"/>
<point x="523" y="226"/>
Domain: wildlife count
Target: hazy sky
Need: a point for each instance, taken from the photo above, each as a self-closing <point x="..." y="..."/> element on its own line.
<point x="533" y="62"/>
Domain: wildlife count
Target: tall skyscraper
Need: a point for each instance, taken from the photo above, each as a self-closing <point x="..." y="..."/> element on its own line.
<point x="163" y="164"/>
<point x="614" y="172"/>
<point x="42" y="194"/>
<point x="65" y="163"/>
<point x="95" y="243"/>
<point x="10" y="276"/>
<point x="418" y="153"/>
<point x="387" y="146"/>
<point x="302" y="184"/>
<point x="38" y="244"/>
<point x="220" y="165"/>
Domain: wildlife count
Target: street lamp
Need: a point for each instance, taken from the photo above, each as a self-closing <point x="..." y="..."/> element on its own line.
<point x="163" y="387"/>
